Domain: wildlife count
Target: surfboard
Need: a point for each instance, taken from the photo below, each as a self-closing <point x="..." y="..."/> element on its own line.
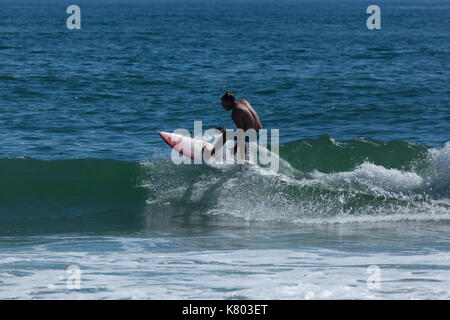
<point x="186" y="145"/>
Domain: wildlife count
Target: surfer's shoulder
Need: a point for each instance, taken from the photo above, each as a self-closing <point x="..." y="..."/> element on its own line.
<point x="242" y="102"/>
<point x="238" y="110"/>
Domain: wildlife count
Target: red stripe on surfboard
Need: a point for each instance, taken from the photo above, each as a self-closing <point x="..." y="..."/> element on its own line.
<point x="167" y="137"/>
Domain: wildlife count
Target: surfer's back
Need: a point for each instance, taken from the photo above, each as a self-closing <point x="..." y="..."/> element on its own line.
<point x="245" y="116"/>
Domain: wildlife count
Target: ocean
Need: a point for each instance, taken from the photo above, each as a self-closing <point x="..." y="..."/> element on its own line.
<point x="92" y="207"/>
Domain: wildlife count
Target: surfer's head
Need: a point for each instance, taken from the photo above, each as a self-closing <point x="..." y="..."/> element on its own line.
<point x="228" y="100"/>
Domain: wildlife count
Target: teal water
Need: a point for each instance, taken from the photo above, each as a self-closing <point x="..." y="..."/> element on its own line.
<point x="86" y="180"/>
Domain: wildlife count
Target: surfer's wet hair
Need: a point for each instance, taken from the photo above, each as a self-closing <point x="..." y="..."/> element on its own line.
<point x="229" y="96"/>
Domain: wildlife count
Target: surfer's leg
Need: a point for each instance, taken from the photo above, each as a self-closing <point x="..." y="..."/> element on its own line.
<point x="235" y="149"/>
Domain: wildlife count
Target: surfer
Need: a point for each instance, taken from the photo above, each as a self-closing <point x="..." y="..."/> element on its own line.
<point x="243" y="115"/>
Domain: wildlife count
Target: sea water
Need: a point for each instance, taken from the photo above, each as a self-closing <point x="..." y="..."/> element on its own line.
<point x="91" y="206"/>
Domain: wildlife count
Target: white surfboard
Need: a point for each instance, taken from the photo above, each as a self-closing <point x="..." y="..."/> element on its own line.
<point x="193" y="148"/>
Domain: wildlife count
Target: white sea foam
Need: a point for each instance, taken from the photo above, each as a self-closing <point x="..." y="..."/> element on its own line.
<point x="366" y="194"/>
<point x="142" y="269"/>
<point x="440" y="157"/>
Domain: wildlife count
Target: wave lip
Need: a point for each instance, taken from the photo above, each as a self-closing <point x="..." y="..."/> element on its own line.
<point x="440" y="158"/>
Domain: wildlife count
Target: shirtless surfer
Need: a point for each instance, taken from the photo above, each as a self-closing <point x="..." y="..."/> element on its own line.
<point x="243" y="115"/>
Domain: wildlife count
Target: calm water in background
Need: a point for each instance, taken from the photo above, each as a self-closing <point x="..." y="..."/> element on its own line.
<point x="85" y="179"/>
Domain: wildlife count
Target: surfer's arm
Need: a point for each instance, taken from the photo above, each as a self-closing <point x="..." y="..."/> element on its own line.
<point x="220" y="142"/>
<point x="238" y="117"/>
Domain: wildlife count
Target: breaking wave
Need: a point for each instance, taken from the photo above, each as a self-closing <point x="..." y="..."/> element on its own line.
<point x="320" y="181"/>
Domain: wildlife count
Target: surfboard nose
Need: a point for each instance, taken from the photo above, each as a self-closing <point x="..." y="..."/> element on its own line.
<point x="167" y="137"/>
